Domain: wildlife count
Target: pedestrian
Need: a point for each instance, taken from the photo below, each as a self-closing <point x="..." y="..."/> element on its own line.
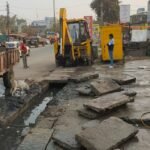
<point x="111" y="49"/>
<point x="74" y="34"/>
<point x="23" y="49"/>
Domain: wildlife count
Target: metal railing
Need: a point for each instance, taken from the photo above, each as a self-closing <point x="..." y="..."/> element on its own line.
<point x="7" y="59"/>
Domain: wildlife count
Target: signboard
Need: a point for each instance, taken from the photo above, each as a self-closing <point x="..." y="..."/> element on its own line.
<point x="139" y="35"/>
<point x="89" y="20"/>
<point x="96" y="35"/>
<point x="124" y="13"/>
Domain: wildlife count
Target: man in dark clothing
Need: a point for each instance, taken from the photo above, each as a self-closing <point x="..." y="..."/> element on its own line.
<point x="111" y="49"/>
<point x="23" y="49"/>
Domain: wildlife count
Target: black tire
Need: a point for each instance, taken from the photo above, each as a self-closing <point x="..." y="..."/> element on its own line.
<point x="6" y="80"/>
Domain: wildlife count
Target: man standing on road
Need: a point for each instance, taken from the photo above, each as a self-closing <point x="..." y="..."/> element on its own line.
<point x="23" y="49"/>
<point x="111" y="49"/>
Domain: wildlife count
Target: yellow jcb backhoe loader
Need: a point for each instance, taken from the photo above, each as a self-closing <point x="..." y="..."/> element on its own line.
<point x="74" y="46"/>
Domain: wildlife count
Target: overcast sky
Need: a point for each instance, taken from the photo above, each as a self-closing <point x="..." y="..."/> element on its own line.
<point x="38" y="9"/>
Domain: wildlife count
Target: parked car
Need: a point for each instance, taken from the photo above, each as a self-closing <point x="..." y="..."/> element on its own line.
<point x="32" y="41"/>
<point x="36" y="41"/>
<point x="12" y="44"/>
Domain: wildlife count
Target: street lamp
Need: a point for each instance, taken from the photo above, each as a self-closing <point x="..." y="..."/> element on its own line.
<point x="54" y="15"/>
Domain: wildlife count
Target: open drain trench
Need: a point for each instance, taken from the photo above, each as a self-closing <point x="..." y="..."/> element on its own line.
<point x="10" y="136"/>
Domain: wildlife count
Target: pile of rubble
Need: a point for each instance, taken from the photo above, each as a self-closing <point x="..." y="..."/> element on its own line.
<point x="108" y="133"/>
<point x="103" y="116"/>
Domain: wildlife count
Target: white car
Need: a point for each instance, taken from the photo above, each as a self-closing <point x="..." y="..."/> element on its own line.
<point x="16" y="45"/>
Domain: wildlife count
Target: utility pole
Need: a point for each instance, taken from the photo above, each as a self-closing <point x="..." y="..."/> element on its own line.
<point x="54" y="15"/>
<point x="102" y="13"/>
<point x="8" y="19"/>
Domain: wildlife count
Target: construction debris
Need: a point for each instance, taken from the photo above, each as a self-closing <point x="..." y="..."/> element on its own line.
<point x="140" y="142"/>
<point x="66" y="139"/>
<point x="37" y="140"/>
<point x="107" y="135"/>
<point x="87" y="113"/>
<point x="84" y="77"/>
<point x="102" y="87"/>
<point x="108" y="102"/>
<point x="124" y="79"/>
<point x="85" y="91"/>
<point x="46" y="123"/>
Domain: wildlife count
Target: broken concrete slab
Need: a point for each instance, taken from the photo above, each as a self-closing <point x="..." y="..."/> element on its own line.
<point x="66" y="138"/>
<point x="60" y="75"/>
<point x="53" y="146"/>
<point x="140" y="142"/>
<point x="132" y="112"/>
<point x="130" y="93"/>
<point x="66" y="128"/>
<point x="84" y="77"/>
<point x="124" y="79"/>
<point x="107" y="135"/>
<point x="102" y="87"/>
<point x="108" y="102"/>
<point x="46" y="123"/>
<point x="87" y="113"/>
<point x="37" y="140"/>
<point x="85" y="91"/>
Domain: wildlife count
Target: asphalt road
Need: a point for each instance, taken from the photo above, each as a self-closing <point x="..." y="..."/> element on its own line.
<point x="40" y="62"/>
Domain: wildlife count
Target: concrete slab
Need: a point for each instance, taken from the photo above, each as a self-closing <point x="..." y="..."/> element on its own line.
<point x="46" y="123"/>
<point x="66" y="138"/>
<point x="53" y="146"/>
<point x="108" y="102"/>
<point x="102" y="87"/>
<point x="140" y="142"/>
<point x="37" y="140"/>
<point x="87" y="113"/>
<point x="108" y="135"/>
<point x="84" y="77"/>
<point x="133" y="111"/>
<point x="125" y="79"/>
<point x="129" y="92"/>
<point x="60" y="75"/>
<point x="66" y="128"/>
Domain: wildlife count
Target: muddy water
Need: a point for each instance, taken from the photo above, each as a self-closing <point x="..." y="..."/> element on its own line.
<point x="2" y="89"/>
<point x="31" y="120"/>
<point x="10" y="136"/>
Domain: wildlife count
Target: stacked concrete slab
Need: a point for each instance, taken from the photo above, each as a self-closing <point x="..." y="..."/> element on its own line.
<point x="107" y="135"/>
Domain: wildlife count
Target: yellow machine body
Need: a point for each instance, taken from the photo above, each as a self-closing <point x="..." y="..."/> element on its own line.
<point x="70" y="51"/>
<point x="116" y="30"/>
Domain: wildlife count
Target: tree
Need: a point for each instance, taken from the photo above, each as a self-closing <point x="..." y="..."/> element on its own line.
<point x="108" y="9"/>
<point x="3" y="26"/>
<point x="30" y="30"/>
<point x="21" y="21"/>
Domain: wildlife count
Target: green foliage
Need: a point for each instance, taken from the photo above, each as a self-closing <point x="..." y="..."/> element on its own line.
<point x="110" y="10"/>
<point x="30" y="30"/>
<point x="14" y="22"/>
